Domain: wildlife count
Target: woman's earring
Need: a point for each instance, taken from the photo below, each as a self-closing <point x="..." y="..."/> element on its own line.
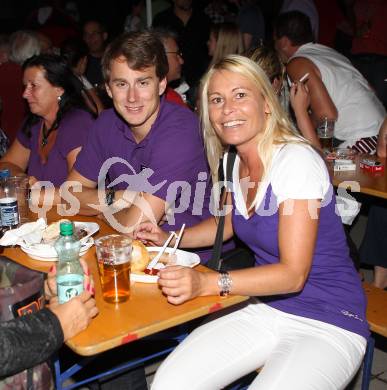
<point x="59" y="99"/>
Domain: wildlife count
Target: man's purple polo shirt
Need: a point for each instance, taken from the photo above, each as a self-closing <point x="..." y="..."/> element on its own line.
<point x="173" y="150"/>
<point x="72" y="133"/>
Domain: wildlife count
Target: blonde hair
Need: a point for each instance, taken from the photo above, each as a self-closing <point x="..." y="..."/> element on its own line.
<point x="278" y="129"/>
<point x="229" y="40"/>
<point x="269" y="61"/>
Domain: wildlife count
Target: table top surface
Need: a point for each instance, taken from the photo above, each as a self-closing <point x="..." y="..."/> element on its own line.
<point x="145" y="313"/>
<point x="374" y="184"/>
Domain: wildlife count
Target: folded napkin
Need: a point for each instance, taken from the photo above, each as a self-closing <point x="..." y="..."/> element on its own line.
<point x="347" y="208"/>
<point x="28" y="233"/>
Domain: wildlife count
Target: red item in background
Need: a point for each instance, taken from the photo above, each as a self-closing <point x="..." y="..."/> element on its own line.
<point x="14" y="107"/>
<point x="371" y="17"/>
<point x="172" y="96"/>
<point x="371" y="166"/>
<point x="330" y="17"/>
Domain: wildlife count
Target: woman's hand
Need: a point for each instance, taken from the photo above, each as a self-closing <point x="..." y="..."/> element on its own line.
<point x="299" y="97"/>
<point x="50" y="288"/>
<point x="74" y="315"/>
<point x="150" y="234"/>
<point x="181" y="284"/>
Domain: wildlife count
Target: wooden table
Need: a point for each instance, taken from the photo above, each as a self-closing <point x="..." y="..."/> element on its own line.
<point x="147" y="311"/>
<point x="374" y="184"/>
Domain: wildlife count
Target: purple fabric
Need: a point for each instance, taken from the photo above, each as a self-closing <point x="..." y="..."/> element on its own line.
<point x="173" y="150"/>
<point x="333" y="291"/>
<point x="72" y="133"/>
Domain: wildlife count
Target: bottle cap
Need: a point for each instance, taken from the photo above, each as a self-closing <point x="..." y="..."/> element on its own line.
<point x="4" y="173"/>
<point x="66" y="228"/>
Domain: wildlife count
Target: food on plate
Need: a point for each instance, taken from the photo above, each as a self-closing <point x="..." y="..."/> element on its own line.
<point x="141" y="258"/>
<point x="52" y="231"/>
<point x="81" y="233"/>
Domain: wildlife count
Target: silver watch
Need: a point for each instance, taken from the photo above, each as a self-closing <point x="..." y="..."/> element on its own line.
<point x="224" y="283"/>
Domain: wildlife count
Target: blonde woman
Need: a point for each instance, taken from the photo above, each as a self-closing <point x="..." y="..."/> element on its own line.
<point x="225" y="38"/>
<point x="307" y="326"/>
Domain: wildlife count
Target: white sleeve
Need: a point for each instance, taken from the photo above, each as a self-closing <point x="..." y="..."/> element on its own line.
<point x="298" y="172"/>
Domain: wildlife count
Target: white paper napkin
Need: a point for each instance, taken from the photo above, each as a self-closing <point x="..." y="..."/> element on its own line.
<point x="347" y="208"/>
<point x="29" y="233"/>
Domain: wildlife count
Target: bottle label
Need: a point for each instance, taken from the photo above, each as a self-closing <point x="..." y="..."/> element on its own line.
<point x="69" y="286"/>
<point x="9" y="212"/>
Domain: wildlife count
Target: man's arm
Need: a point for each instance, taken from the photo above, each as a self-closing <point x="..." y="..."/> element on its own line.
<point x="144" y="208"/>
<point x="88" y="195"/>
<point x="382" y="140"/>
<point x="320" y="101"/>
<point x="91" y="196"/>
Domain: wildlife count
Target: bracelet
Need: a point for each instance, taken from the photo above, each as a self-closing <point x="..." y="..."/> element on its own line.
<point x="109" y="196"/>
<point x="224" y="283"/>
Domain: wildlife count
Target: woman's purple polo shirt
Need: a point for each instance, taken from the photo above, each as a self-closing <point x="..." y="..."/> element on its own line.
<point x="72" y="133"/>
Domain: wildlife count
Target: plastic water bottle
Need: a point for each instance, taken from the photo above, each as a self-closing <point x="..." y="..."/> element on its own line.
<point x="69" y="271"/>
<point x="9" y="211"/>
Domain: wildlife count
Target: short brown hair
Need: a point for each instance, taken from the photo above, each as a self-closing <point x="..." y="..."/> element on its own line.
<point x="294" y="25"/>
<point x="141" y="50"/>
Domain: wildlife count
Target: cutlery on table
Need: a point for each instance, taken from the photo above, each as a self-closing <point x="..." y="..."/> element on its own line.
<point x="155" y="260"/>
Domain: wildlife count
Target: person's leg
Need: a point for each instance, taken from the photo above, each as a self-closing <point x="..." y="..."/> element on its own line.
<point x="311" y="355"/>
<point x="373" y="249"/>
<point x="220" y="351"/>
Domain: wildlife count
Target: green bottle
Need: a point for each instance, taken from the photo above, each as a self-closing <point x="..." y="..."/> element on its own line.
<point x="69" y="275"/>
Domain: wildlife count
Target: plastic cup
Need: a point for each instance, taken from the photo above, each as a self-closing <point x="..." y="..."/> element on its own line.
<point x="22" y="186"/>
<point x="114" y="255"/>
<point x="325" y="131"/>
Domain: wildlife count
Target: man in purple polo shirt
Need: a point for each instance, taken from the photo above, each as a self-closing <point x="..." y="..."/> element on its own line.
<point x="146" y="145"/>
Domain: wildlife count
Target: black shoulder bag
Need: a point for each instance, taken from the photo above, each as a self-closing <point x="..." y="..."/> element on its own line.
<point x="239" y="257"/>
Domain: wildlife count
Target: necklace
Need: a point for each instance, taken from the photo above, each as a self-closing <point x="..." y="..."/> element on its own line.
<point x="45" y="134"/>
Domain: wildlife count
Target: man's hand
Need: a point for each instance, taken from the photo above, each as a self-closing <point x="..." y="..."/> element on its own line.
<point x="150" y="234"/>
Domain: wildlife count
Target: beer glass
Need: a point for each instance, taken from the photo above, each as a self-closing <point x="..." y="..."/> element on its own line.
<point x="114" y="255"/>
<point x="325" y="130"/>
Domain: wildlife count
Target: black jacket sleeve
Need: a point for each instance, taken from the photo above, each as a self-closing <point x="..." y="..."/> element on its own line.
<point x="29" y="340"/>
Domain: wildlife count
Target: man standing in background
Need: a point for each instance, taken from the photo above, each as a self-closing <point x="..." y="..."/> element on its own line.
<point x="192" y="27"/>
<point x="95" y="36"/>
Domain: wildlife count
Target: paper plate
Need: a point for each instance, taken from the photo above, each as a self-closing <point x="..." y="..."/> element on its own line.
<point x="187" y="259"/>
<point x="46" y="252"/>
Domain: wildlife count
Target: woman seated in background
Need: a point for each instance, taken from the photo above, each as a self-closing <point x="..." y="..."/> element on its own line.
<point x="307" y="326"/>
<point x="75" y="51"/>
<point x="57" y="125"/>
<point x="31" y="339"/>
<point x="298" y="95"/>
<point x="225" y="38"/>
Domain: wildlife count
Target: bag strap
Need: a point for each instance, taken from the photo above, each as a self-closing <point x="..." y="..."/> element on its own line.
<point x="215" y="262"/>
